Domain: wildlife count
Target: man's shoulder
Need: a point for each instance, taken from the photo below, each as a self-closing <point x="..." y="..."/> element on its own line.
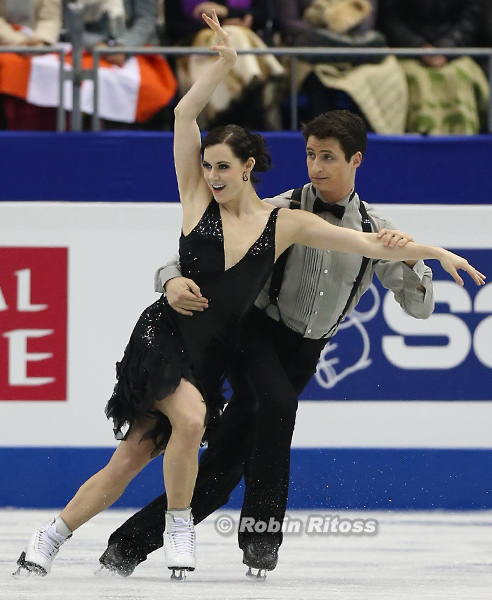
<point x="379" y="220"/>
<point x="283" y="200"/>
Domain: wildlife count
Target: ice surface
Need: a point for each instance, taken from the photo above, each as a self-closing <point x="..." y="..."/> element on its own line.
<point x="417" y="556"/>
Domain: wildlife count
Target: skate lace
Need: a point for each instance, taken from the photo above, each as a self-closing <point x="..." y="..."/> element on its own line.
<point x="48" y="541"/>
<point x="182" y="536"/>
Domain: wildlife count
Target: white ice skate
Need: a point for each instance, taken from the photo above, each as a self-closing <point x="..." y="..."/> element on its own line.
<point x="42" y="547"/>
<point x="179" y="543"/>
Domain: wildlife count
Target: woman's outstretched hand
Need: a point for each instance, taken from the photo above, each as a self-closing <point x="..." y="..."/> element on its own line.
<point x="451" y="263"/>
<point x="222" y="43"/>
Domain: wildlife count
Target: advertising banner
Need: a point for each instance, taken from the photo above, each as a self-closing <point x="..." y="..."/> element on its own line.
<point x="397" y="416"/>
<point x="33" y="323"/>
<point x="381" y="353"/>
<point x="75" y="277"/>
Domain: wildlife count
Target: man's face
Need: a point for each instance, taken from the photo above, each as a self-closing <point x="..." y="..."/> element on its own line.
<point x="328" y="169"/>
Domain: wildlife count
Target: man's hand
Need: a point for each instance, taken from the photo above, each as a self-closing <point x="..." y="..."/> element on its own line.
<point x="392" y="237"/>
<point x="184" y="296"/>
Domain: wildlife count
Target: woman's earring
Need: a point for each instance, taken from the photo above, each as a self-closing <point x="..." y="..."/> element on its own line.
<point x="245" y="176"/>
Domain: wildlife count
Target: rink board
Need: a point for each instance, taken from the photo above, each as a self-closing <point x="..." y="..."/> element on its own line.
<point x="138" y="167"/>
<point x="384" y="429"/>
<point x="323" y="478"/>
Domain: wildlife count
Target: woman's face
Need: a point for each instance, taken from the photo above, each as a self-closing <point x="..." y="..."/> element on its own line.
<point x="223" y="172"/>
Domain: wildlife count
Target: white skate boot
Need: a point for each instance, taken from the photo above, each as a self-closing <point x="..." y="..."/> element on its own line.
<point x="43" y="546"/>
<point x="179" y="543"/>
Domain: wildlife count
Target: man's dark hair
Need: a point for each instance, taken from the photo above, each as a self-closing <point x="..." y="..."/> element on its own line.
<point x="348" y="128"/>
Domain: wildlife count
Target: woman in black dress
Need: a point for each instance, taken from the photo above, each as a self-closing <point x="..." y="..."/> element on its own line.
<point x="173" y="366"/>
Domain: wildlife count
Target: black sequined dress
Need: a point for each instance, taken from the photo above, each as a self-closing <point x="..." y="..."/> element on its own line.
<point x="166" y="346"/>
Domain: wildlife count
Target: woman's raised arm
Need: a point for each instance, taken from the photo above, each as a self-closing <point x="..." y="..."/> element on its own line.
<point x="302" y="227"/>
<point x="186" y="132"/>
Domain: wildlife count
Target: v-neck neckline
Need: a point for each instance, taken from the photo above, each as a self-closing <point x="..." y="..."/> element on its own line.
<point x="221" y="225"/>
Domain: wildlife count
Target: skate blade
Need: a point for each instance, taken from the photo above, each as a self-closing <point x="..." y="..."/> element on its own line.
<point x="27" y="568"/>
<point x="260" y="576"/>
<point x="179" y="573"/>
<point x="106" y="573"/>
<point x="180" y="576"/>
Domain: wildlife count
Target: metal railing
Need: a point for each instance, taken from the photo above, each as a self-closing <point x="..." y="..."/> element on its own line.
<point x="77" y="75"/>
<point x="295" y="55"/>
<point x="64" y="75"/>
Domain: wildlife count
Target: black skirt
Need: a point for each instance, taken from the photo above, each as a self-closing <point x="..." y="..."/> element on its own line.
<point x="153" y="365"/>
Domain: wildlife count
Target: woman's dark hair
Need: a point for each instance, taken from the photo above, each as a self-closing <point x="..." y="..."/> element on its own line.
<point x="348" y="128"/>
<point x="243" y="145"/>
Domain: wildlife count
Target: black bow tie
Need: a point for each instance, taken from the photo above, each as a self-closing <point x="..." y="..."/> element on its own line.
<point x="320" y="206"/>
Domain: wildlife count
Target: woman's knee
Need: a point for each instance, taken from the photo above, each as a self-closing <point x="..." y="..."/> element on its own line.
<point x="126" y="464"/>
<point x="191" y="424"/>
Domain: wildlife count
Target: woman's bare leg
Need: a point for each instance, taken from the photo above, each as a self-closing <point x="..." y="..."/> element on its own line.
<point x="186" y="412"/>
<point x="107" y="485"/>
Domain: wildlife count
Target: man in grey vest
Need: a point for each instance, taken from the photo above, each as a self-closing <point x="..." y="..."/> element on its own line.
<point x="296" y="314"/>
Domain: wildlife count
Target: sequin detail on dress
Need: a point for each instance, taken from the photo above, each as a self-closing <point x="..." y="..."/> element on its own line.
<point x="166" y="346"/>
<point x="210" y="224"/>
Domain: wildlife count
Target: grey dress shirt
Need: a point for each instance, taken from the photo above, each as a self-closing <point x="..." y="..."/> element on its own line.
<point x="317" y="283"/>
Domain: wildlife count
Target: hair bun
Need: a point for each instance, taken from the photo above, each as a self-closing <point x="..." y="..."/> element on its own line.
<point x="263" y="161"/>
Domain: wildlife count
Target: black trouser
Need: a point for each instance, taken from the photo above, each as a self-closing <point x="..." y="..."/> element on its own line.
<point x="253" y="438"/>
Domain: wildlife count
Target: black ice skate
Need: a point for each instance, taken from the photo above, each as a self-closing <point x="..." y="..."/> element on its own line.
<point x="119" y="559"/>
<point x="261" y="556"/>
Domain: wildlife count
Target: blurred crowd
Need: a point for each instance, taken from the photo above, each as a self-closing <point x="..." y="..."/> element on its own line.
<point x="431" y="94"/>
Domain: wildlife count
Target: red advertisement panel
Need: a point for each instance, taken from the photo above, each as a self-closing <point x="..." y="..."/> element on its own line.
<point x="33" y="323"/>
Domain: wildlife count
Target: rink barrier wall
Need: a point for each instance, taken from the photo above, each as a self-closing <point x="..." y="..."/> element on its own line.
<point x="138" y="167"/>
<point x="321" y="478"/>
<point x="79" y="242"/>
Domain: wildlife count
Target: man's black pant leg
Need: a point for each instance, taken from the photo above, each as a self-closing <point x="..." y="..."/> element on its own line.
<point x="281" y="363"/>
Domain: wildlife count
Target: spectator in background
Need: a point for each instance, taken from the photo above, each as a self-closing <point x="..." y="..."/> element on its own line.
<point x="119" y="23"/>
<point x="28" y="23"/>
<point x="486" y="29"/>
<point x="374" y="88"/>
<point x="115" y="23"/>
<point x="183" y="23"/>
<point x="250" y="95"/>
<point x="445" y="95"/>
